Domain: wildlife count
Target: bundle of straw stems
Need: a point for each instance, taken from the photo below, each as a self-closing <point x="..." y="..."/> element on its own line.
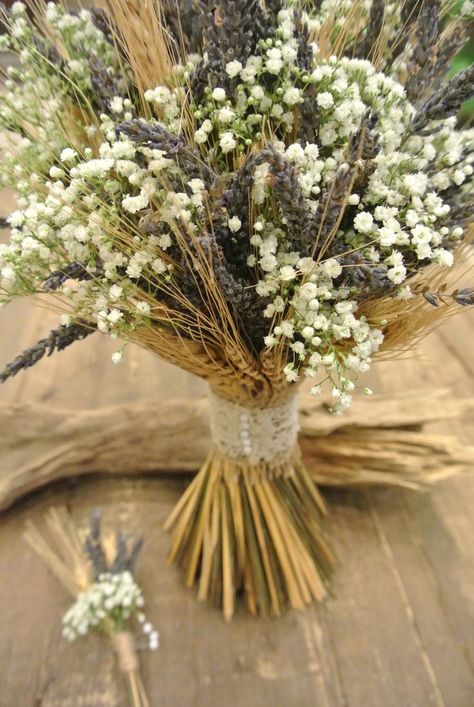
<point x="247" y="528"/>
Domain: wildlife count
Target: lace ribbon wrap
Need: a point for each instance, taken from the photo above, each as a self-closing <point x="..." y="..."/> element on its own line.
<point x="264" y="437"/>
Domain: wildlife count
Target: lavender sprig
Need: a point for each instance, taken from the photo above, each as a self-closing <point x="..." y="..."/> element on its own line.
<point x="410" y="11"/>
<point x="448" y="47"/>
<point x="101" y="19"/>
<point x="156" y="137"/>
<point x="362" y="150"/>
<point x="247" y="306"/>
<point x="364" y="147"/>
<point x="75" y="271"/>
<point x="305" y="50"/>
<point x="446" y="101"/>
<point x="409" y="14"/>
<point x="309" y="116"/>
<point x="331" y="203"/>
<point x="57" y="340"/>
<point x="235" y="246"/>
<point x="368" y="45"/>
<point x="104" y="85"/>
<point x="234" y="283"/>
<point x="464" y="297"/>
<point x="423" y="66"/>
<point x="232" y="32"/>
<point x="93" y="544"/>
<point x="363" y="278"/>
<point x="184" y="24"/>
<point x="126" y="552"/>
<point x="288" y="193"/>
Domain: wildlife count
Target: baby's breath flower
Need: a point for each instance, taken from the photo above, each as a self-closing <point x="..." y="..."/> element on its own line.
<point x="135" y="203"/>
<point x="325" y="99"/>
<point x="117" y="356"/>
<point x="68" y="155"/>
<point x="292" y="96"/>
<point x="363" y="222"/>
<point x="234" y="224"/>
<point x="233" y="68"/>
<point x="226" y="115"/>
<point x="218" y="94"/>
<point x="201" y="136"/>
<point x="227" y="141"/>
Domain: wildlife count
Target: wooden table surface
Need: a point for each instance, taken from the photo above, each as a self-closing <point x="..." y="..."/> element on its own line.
<point x="398" y="631"/>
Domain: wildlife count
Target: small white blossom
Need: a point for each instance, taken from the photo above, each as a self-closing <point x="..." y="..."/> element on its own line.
<point x="68" y="155"/>
<point x="397" y="274"/>
<point x="443" y="257"/>
<point x="117" y="356"/>
<point x="227" y="141"/>
<point x="226" y="115"/>
<point x="218" y="94"/>
<point x="234" y="224"/>
<point x="233" y="68"/>
<point x="325" y="100"/>
<point x="287" y="273"/>
<point x="201" y="136"/>
<point x="143" y="307"/>
<point x="292" y="96"/>
<point x="135" y="203"/>
<point x="291" y="374"/>
<point x="353" y="199"/>
<point x="364" y="222"/>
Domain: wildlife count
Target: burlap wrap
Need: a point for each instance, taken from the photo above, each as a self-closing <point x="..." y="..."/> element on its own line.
<point x="124" y="644"/>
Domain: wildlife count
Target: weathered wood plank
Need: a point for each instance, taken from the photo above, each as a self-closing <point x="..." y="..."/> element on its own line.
<point x="430" y="538"/>
<point x="379" y="655"/>
<point x="419" y="587"/>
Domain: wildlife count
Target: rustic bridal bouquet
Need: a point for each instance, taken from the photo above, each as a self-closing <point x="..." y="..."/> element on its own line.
<point x="259" y="193"/>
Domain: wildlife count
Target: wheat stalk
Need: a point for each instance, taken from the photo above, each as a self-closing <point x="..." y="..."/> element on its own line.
<point x="140" y="32"/>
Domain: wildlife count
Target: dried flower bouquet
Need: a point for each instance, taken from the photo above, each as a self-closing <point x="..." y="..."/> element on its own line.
<point x="259" y="193"/>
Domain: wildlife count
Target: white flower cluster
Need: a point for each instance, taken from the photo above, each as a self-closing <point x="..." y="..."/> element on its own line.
<point x="167" y="102"/>
<point x="113" y="599"/>
<point x="38" y="92"/>
<point x="394" y="221"/>
<point x="327" y="340"/>
<point x="234" y="122"/>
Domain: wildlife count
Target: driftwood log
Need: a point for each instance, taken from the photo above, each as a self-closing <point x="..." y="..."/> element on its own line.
<point x="382" y="441"/>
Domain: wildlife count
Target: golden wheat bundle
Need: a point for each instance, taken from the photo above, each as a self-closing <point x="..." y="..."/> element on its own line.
<point x="259" y="193"/>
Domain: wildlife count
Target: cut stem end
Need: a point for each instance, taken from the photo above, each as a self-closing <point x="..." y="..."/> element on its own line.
<point x="244" y="530"/>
